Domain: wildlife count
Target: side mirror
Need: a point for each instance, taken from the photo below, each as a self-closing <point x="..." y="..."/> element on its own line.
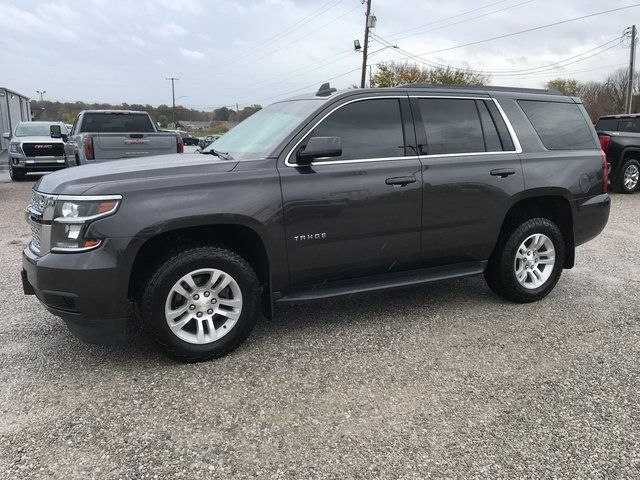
<point x="65" y="137"/>
<point x="55" y="131"/>
<point x="6" y="136"/>
<point x="319" y="147"/>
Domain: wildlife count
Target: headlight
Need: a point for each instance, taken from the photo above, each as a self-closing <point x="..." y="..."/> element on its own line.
<point x="71" y="218"/>
<point x="14" y="147"/>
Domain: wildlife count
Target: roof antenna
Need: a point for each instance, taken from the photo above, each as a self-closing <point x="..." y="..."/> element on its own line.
<point x="325" y="90"/>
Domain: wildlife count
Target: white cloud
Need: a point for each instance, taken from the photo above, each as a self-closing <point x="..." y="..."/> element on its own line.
<point x="192" y="54"/>
<point x="168" y="30"/>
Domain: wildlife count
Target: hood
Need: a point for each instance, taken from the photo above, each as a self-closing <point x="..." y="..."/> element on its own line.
<point x="42" y="139"/>
<point x="120" y="176"/>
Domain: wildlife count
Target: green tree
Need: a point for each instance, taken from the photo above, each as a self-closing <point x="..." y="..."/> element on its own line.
<point x="567" y="86"/>
<point x="391" y="74"/>
<point x="246" y="112"/>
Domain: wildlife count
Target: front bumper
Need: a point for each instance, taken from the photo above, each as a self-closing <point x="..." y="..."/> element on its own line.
<point x="84" y="289"/>
<point x="37" y="163"/>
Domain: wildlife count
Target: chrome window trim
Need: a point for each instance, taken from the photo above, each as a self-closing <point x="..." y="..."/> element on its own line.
<point x="514" y="138"/>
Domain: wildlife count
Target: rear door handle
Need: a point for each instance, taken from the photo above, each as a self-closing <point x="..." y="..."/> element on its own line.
<point x="502" y="172"/>
<point x="401" y="181"/>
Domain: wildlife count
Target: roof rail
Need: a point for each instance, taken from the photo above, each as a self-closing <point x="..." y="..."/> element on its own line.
<point x="488" y="88"/>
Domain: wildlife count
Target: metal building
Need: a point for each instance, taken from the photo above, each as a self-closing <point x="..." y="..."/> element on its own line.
<point x="14" y="108"/>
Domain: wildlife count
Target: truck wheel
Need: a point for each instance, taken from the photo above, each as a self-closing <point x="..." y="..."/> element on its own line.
<point x="527" y="261"/>
<point x="201" y="303"/>
<point x="16" y="173"/>
<point x="629" y="177"/>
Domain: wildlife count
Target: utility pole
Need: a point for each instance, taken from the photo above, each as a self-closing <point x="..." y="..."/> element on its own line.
<point x="632" y="66"/>
<point x="237" y="112"/>
<point x="365" y="47"/>
<point x="41" y="93"/>
<point x="173" y="96"/>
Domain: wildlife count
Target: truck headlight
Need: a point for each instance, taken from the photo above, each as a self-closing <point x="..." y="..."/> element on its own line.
<point x="71" y="218"/>
<point x="14" y="147"/>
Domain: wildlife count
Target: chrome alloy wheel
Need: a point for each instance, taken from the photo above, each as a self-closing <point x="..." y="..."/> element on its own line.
<point x="534" y="261"/>
<point x="631" y="177"/>
<point x="203" y="306"/>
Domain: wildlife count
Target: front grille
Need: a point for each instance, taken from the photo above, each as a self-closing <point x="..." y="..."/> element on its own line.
<point x="36" y="231"/>
<point x="43" y="149"/>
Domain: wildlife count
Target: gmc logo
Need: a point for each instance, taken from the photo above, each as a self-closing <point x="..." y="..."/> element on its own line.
<point x="43" y="146"/>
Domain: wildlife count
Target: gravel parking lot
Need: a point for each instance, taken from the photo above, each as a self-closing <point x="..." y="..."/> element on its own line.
<point x="441" y="381"/>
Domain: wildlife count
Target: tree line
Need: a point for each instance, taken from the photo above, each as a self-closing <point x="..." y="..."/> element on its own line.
<point x="67" y="111"/>
<point x="599" y="98"/>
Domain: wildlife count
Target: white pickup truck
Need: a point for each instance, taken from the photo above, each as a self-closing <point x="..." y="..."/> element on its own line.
<point x="99" y="135"/>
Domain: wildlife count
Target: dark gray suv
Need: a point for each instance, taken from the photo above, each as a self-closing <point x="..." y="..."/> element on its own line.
<point x="318" y="196"/>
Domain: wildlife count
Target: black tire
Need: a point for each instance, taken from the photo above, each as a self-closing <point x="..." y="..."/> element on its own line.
<point x="16" y="174"/>
<point x="500" y="272"/>
<point x="169" y="271"/>
<point x="618" y="183"/>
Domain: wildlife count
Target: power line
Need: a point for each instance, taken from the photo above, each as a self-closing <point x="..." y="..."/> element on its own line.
<point x="464" y="20"/>
<point x="529" y="30"/>
<point x="524" y="71"/>
<point x="446" y="18"/>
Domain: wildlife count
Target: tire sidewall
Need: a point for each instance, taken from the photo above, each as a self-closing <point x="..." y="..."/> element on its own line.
<point x="532" y="227"/>
<point x="167" y="276"/>
<point x="627" y="164"/>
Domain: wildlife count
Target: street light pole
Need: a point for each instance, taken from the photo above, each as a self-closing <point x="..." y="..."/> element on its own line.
<point x="41" y="93"/>
<point x="173" y="97"/>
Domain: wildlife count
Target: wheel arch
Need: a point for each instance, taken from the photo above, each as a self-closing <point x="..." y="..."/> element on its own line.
<point x="553" y="204"/>
<point x="239" y="237"/>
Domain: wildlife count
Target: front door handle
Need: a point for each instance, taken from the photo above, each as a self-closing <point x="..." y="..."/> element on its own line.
<point x="401" y="181"/>
<point x="502" y="172"/>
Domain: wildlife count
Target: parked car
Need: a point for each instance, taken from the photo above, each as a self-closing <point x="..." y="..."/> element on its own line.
<point x="31" y="148"/>
<point x="320" y="196"/>
<point x="208" y="140"/>
<point x="99" y="135"/>
<point x="620" y="139"/>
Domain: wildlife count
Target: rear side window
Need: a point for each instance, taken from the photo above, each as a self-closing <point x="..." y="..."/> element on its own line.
<point x="610" y="124"/>
<point x="367" y="128"/>
<point x="560" y="126"/>
<point x="116" y="123"/>
<point x="451" y="125"/>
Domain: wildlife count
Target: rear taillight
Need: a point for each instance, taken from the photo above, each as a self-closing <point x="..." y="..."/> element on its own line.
<point x="605" y="172"/>
<point x="87" y="145"/>
<point x="180" y="144"/>
<point x="605" y="141"/>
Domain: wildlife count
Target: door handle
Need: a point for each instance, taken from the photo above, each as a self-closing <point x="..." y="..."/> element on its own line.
<point x="400" y="181"/>
<point x="502" y="172"/>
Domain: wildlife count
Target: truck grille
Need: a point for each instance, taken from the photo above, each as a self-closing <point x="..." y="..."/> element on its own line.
<point x="43" y="149"/>
<point x="36" y="231"/>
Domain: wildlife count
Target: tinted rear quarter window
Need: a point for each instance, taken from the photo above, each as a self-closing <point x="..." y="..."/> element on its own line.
<point x="560" y="126"/>
<point x="628" y="125"/>
<point x="116" y="123"/>
<point x="610" y="124"/>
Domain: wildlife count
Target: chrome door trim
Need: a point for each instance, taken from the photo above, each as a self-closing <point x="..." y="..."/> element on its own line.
<point x="514" y="138"/>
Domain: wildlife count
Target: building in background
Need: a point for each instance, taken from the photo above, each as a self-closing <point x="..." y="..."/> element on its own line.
<point x="14" y="108"/>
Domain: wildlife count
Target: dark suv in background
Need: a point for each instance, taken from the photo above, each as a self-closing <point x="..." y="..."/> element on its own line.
<point x="620" y="139"/>
<point x="319" y="196"/>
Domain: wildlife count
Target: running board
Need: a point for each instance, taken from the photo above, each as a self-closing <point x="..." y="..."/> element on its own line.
<point x="385" y="281"/>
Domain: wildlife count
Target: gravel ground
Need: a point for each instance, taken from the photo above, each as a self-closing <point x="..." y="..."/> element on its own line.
<point x="442" y="381"/>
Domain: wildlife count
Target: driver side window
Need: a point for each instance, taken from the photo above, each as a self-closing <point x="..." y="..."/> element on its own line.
<point x="369" y="129"/>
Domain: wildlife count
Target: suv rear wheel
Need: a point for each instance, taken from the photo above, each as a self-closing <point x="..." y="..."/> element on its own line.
<point x="629" y="178"/>
<point x="527" y="262"/>
<point x="201" y="303"/>
<point x="16" y="173"/>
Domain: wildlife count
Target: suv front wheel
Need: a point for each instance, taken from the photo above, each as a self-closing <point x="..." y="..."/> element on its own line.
<point x="16" y="173"/>
<point x="527" y="262"/>
<point x="201" y="303"/>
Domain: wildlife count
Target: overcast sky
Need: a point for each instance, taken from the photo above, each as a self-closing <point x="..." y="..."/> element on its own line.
<point x="258" y="51"/>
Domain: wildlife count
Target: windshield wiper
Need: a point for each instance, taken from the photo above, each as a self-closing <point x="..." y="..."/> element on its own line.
<point x="217" y="153"/>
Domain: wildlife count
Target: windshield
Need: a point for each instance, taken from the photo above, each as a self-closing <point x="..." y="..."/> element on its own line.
<point x="37" y="129"/>
<point x="258" y="135"/>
